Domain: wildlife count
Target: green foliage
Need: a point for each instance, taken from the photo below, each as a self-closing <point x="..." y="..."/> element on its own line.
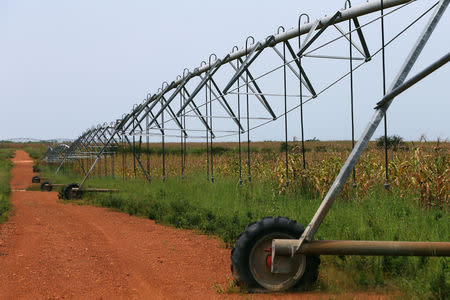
<point x="172" y="149"/>
<point x="393" y="142"/>
<point x="35" y="150"/>
<point x="284" y="146"/>
<point x="321" y="148"/>
<point x="5" y="166"/>
<point x="440" y="282"/>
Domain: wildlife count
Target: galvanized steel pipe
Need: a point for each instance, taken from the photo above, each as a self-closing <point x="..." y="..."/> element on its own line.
<point x="286" y="247"/>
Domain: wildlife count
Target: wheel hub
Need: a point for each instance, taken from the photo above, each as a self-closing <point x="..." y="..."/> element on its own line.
<point x="269" y="257"/>
<point x="260" y="263"/>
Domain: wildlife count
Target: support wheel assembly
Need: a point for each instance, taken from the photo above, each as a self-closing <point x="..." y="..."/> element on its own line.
<point x="71" y="191"/>
<point x="251" y="257"/>
<point x="46" y="186"/>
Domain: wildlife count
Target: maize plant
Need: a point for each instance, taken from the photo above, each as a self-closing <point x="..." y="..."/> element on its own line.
<point x="419" y="169"/>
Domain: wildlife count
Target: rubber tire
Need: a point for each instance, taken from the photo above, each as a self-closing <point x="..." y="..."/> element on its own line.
<point x="253" y="232"/>
<point x="35" y="179"/>
<point x="46" y="186"/>
<point x="67" y="193"/>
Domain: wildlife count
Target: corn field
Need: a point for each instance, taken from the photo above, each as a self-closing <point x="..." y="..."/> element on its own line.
<point x="420" y="169"/>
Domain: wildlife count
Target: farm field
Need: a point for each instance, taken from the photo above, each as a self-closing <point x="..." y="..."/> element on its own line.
<point x="52" y="249"/>
<point x="415" y="208"/>
<point x="415" y="168"/>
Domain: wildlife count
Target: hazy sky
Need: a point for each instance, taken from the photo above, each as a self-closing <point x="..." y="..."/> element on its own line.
<point x="68" y="65"/>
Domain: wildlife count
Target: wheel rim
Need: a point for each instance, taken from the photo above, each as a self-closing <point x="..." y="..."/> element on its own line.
<point x="260" y="269"/>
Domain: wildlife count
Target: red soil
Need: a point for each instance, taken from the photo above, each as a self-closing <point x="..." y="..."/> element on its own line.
<point x="53" y="250"/>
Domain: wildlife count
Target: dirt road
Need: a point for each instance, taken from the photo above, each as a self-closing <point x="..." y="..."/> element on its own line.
<point x="53" y="250"/>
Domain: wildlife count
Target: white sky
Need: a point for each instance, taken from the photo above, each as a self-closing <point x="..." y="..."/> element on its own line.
<point x="68" y="65"/>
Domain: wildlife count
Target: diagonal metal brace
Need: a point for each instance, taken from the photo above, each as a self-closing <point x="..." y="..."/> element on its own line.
<point x="321" y="30"/>
<point x="362" y="39"/>
<point x="210" y="73"/>
<point x="297" y="74"/>
<point x="413" y="80"/>
<point x="302" y="71"/>
<point x="172" y="114"/>
<point x="259" y="94"/>
<point x="153" y="100"/>
<point x="156" y="101"/>
<point x="344" y="34"/>
<point x="156" y="122"/>
<point x="135" y="113"/>
<point x="198" y="113"/>
<point x="168" y="101"/>
<point x="256" y="51"/>
<point x="225" y="104"/>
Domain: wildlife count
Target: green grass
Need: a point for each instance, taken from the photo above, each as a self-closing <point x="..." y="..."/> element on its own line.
<point x="224" y="209"/>
<point x="35" y="150"/>
<point x="5" y="166"/>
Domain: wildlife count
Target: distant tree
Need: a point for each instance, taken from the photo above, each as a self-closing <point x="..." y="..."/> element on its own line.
<point x="393" y="142"/>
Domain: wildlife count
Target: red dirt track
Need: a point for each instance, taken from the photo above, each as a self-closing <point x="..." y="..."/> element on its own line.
<point x="53" y="250"/>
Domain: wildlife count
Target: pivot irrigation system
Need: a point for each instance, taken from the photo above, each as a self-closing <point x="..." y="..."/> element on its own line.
<point x="228" y="97"/>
